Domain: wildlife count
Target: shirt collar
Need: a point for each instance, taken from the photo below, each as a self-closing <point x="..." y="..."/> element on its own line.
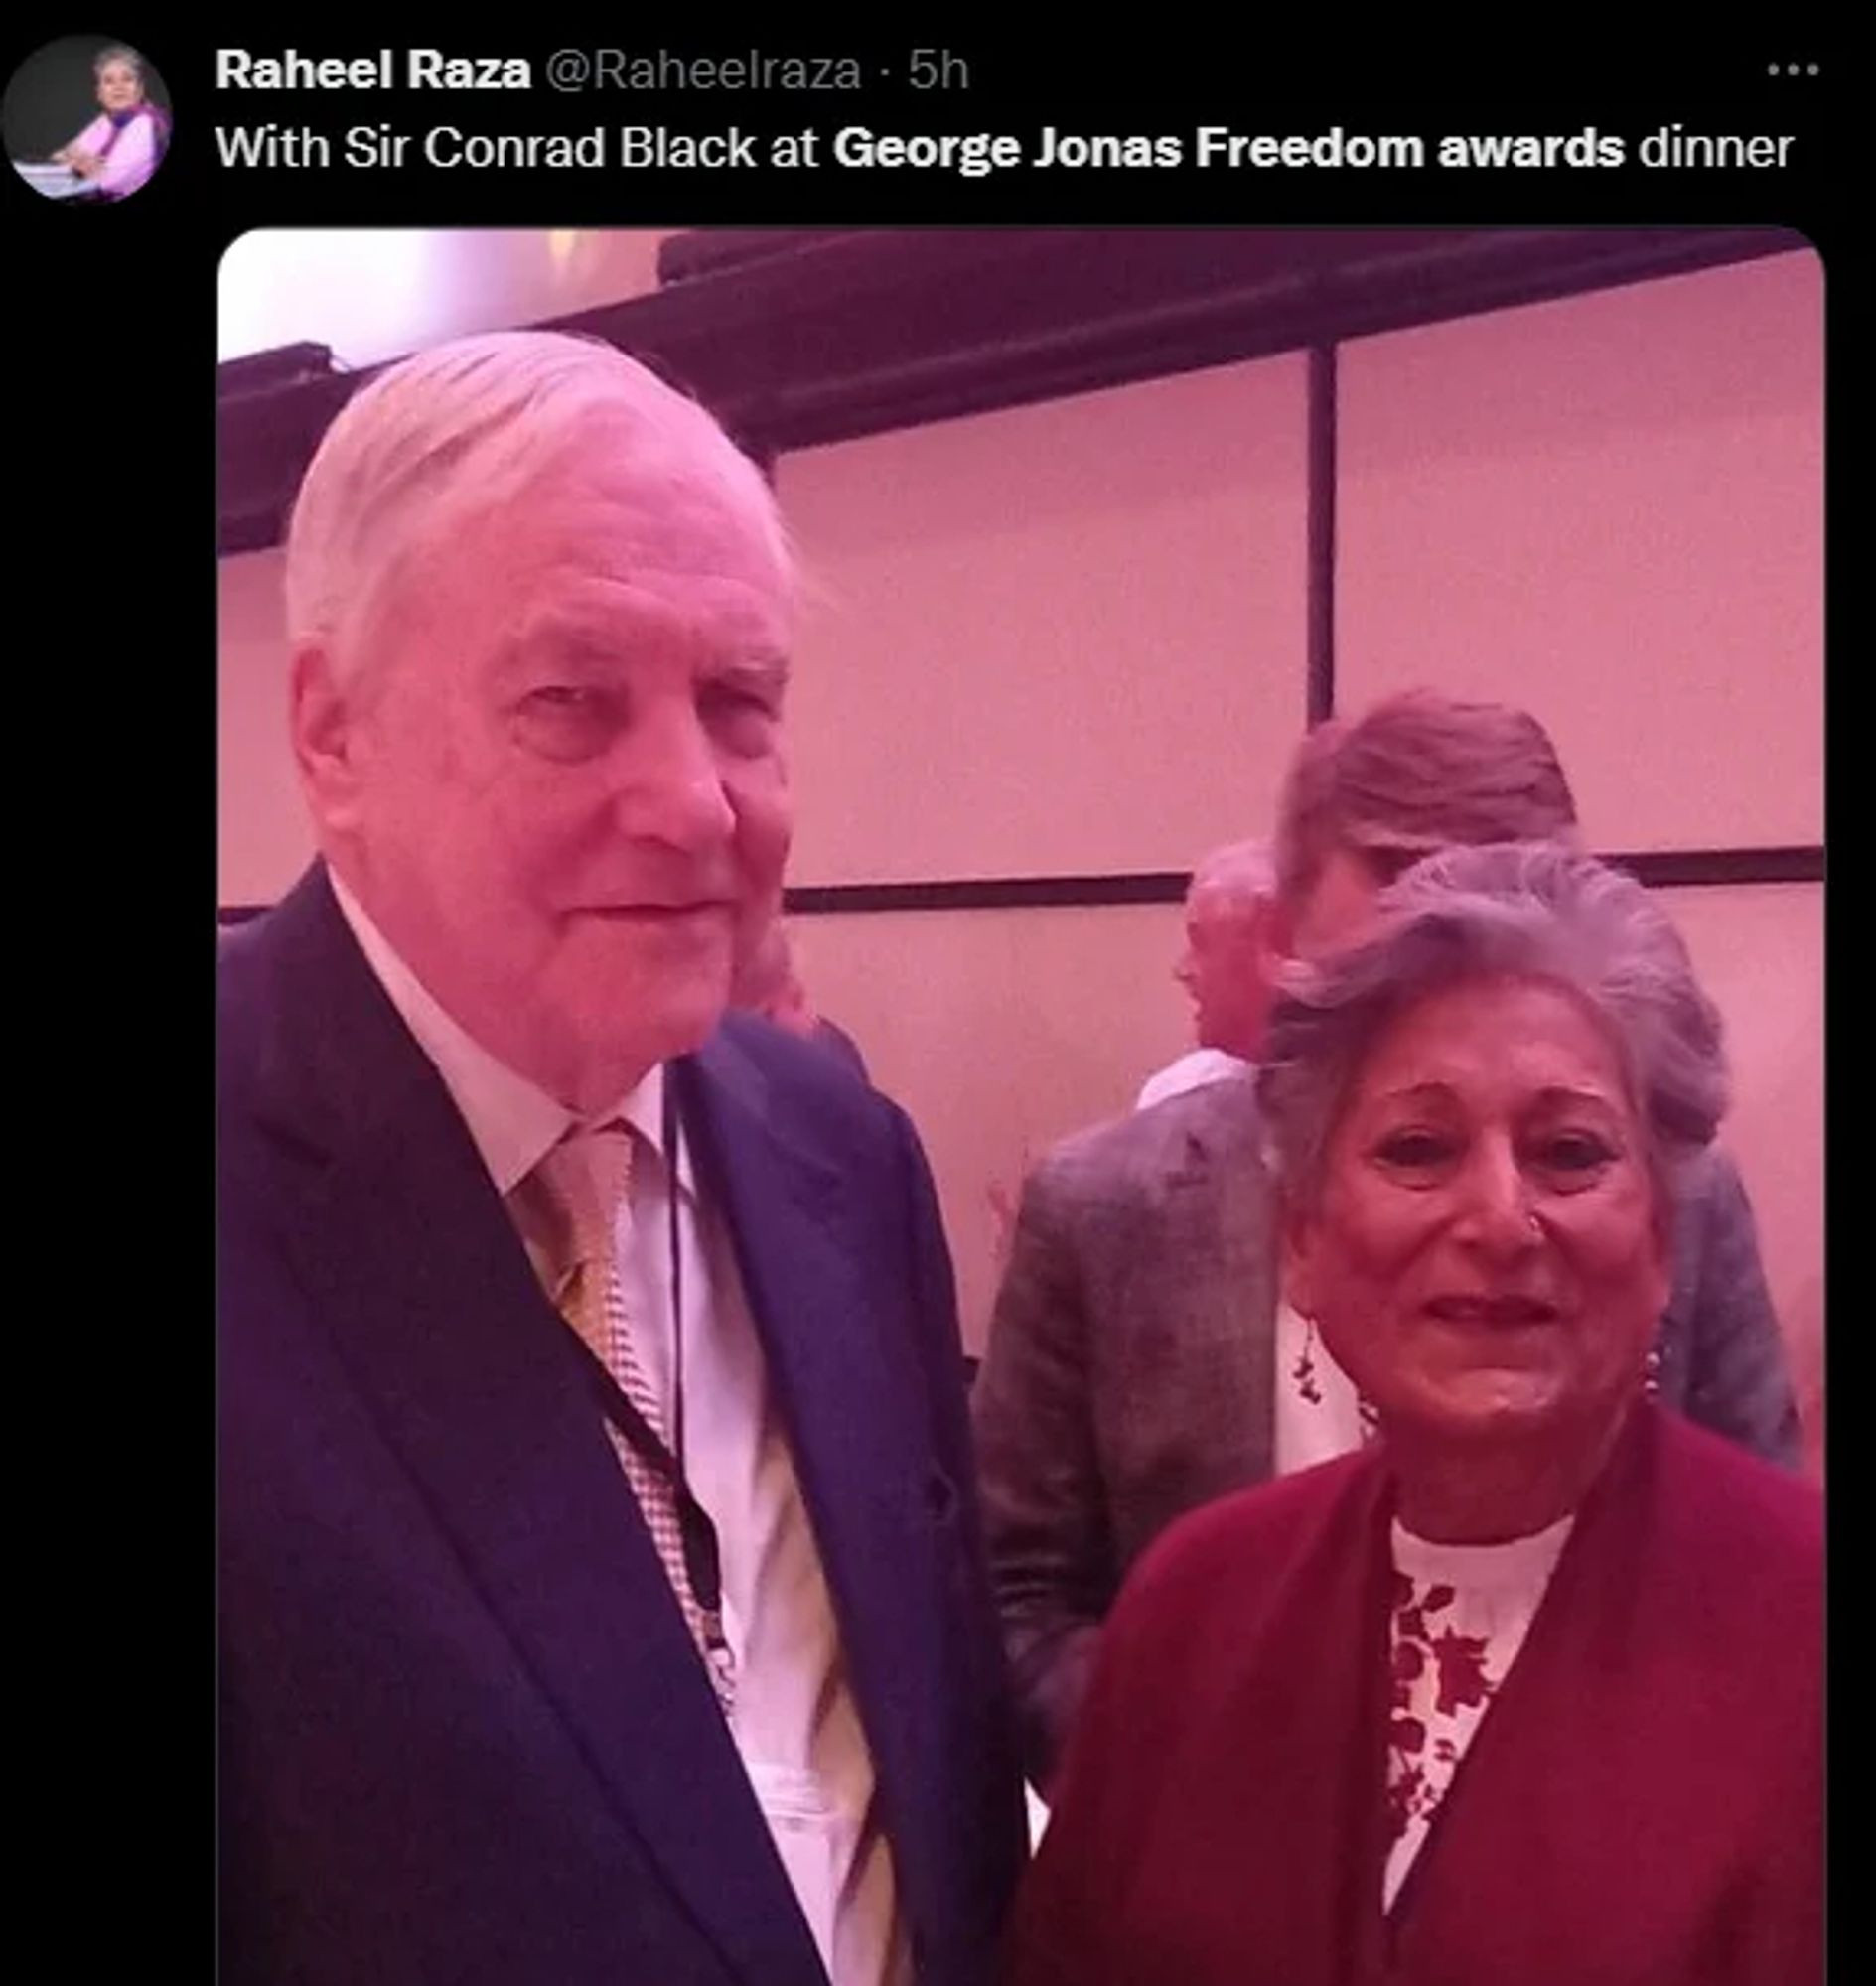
<point x="514" y="1122"/>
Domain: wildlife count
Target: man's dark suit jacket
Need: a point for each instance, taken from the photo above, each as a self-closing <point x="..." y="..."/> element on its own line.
<point x="466" y="1738"/>
<point x="1128" y="1377"/>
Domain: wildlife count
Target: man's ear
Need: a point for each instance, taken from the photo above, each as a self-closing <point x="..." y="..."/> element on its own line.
<point x="1276" y="943"/>
<point x="323" y="720"/>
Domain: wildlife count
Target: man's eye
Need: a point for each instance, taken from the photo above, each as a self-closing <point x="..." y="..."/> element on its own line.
<point x="565" y="720"/>
<point x="1411" y="1149"/>
<point x="743" y="717"/>
<point x="739" y="699"/>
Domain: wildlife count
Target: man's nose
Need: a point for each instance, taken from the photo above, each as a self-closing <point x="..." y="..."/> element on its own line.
<point x="670" y="787"/>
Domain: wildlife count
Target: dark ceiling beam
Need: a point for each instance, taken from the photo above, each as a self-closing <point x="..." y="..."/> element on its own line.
<point x="818" y="337"/>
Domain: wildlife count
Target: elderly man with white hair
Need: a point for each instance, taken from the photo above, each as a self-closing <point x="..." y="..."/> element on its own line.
<point x="1224" y="967"/>
<point x="600" y="1584"/>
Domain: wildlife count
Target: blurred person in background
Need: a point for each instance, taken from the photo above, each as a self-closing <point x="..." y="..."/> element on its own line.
<point x="770" y="984"/>
<point x="1223" y="968"/>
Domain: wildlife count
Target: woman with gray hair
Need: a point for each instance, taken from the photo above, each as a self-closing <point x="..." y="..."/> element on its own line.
<point x="124" y="144"/>
<point x="1530" y="1688"/>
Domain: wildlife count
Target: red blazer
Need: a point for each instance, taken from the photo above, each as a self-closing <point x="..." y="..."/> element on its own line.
<point x="1643" y="1805"/>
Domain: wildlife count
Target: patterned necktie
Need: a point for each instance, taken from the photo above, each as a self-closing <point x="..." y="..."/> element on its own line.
<point x="587" y="1178"/>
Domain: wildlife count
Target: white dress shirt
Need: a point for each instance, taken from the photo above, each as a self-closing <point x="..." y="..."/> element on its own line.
<point x="1190" y="1071"/>
<point x="795" y="1723"/>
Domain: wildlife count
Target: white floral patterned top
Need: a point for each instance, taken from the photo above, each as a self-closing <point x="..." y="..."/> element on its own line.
<point x="1460" y="1616"/>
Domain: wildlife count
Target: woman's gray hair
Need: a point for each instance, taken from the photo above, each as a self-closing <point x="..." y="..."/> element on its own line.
<point x="129" y="57"/>
<point x="1521" y="910"/>
<point x="475" y="424"/>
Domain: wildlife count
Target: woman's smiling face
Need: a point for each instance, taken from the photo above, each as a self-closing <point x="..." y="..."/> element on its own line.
<point x="1484" y="1256"/>
<point x="120" y="87"/>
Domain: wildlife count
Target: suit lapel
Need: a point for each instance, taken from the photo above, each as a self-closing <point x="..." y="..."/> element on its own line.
<point x="844" y="1374"/>
<point x="439" y="1321"/>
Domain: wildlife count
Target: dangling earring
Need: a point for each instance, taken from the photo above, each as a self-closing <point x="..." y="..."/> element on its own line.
<point x="1304" y="1370"/>
<point x="1369" y="1416"/>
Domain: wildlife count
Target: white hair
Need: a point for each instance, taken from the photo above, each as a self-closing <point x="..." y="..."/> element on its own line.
<point x="1241" y="872"/>
<point x="128" y="56"/>
<point x="470" y="426"/>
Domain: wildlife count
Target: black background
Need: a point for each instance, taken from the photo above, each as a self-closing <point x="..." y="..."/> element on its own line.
<point x="53" y="94"/>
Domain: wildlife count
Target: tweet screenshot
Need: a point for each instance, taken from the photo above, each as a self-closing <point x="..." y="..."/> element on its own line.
<point x="1017" y="872"/>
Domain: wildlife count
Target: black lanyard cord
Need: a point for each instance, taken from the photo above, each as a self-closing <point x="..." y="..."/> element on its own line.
<point x="670" y="1136"/>
<point x="702" y="1562"/>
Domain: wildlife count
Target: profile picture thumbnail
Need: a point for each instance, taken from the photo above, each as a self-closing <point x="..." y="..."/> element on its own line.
<point x="85" y="120"/>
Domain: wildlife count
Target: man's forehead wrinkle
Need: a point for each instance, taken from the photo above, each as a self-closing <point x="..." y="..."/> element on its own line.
<point x="591" y="517"/>
<point x="563" y="556"/>
<point x="728" y="629"/>
<point x="578" y="601"/>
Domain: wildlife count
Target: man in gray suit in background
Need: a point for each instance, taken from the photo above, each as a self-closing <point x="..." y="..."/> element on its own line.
<point x="1140" y="1363"/>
